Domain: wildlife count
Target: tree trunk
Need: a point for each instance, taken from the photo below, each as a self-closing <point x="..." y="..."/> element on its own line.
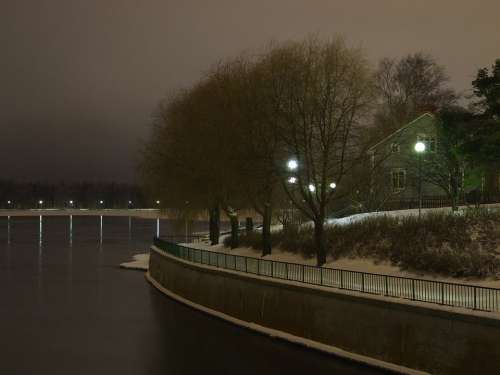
<point x="249" y="225"/>
<point x="266" y="230"/>
<point x="214" y="224"/>
<point x="235" y="240"/>
<point x="320" y="241"/>
<point x="454" y="193"/>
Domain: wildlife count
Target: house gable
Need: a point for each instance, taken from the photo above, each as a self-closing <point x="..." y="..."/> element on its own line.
<point x="424" y="122"/>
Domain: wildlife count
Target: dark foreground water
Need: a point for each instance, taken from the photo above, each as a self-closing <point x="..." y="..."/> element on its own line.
<point x="66" y="308"/>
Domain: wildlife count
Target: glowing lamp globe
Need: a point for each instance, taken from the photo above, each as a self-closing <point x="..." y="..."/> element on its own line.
<point x="292" y="164"/>
<point x="420" y="146"/>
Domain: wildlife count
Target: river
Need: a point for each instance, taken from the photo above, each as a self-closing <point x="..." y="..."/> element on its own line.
<point x="67" y="308"/>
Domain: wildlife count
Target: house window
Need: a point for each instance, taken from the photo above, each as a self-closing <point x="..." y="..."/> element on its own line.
<point x="398" y="177"/>
<point x="429" y="140"/>
<point x="395" y="148"/>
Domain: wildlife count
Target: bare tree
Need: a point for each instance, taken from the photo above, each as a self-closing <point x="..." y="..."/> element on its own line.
<point x="407" y="88"/>
<point x="323" y="89"/>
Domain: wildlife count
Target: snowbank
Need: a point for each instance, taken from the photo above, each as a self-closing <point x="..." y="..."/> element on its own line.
<point x="140" y="262"/>
<point x="398" y="213"/>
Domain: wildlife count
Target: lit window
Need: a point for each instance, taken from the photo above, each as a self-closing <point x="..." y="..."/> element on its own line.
<point x="398" y="177"/>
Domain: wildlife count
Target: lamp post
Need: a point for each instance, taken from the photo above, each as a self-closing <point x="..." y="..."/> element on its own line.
<point x="420" y="149"/>
<point x="292" y="165"/>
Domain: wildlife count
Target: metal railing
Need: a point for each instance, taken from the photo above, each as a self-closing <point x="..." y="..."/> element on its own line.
<point x="421" y="290"/>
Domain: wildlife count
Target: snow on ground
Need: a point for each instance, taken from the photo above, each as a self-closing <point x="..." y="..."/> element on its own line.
<point x="140" y="262"/>
<point x="353" y="264"/>
<point x="398" y="213"/>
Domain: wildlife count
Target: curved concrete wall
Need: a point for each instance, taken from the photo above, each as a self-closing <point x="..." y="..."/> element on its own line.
<point x="434" y="339"/>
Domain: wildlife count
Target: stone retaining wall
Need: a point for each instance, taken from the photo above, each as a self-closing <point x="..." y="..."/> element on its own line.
<point x="436" y="339"/>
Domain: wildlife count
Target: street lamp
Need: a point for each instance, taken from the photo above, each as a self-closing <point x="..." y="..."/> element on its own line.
<point x="292" y="164"/>
<point x="420" y="149"/>
<point x="71" y="203"/>
<point x="157" y="202"/>
<point x="292" y="180"/>
<point x="312" y="188"/>
<point x="333" y="185"/>
<point x="40" y="203"/>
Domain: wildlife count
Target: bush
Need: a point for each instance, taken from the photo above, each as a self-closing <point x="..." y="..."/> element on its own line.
<point x="458" y="245"/>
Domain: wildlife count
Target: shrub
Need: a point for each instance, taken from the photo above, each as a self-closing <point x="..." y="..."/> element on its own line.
<point x="460" y="245"/>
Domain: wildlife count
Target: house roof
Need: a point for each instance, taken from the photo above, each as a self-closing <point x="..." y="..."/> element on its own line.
<point x="427" y="114"/>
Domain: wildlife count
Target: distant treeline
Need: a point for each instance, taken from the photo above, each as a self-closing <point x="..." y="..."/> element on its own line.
<point x="66" y="195"/>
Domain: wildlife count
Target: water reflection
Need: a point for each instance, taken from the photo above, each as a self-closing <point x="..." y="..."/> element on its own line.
<point x="39" y="263"/>
<point x="100" y="230"/>
<point x="8" y="230"/>
<point x="70" y="230"/>
<point x="40" y="231"/>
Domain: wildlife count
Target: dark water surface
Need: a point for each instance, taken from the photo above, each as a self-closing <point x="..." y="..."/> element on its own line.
<point x="66" y="308"/>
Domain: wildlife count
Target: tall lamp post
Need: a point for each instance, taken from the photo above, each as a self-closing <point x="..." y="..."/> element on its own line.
<point x="292" y="165"/>
<point x="420" y="149"/>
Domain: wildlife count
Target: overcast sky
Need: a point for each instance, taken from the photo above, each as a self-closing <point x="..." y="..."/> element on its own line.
<point x="80" y="79"/>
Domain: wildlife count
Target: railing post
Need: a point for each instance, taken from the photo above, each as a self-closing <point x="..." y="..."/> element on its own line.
<point x="246" y="266"/>
<point x="413" y="289"/>
<point x="386" y="286"/>
<point x="442" y="293"/>
<point x="321" y="275"/>
<point x="286" y="269"/>
<point x="341" y="279"/>
<point x="475" y="299"/>
<point x="363" y="282"/>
